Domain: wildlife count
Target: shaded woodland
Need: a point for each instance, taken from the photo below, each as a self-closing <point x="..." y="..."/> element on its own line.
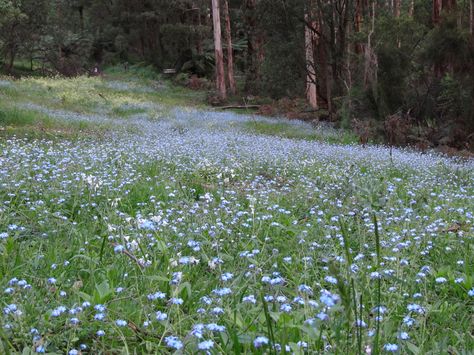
<point x="391" y="70"/>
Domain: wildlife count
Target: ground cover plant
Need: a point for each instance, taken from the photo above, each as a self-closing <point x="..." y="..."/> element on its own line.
<point x="130" y="223"/>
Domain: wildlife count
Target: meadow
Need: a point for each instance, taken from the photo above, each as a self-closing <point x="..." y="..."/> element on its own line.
<point x="135" y="220"/>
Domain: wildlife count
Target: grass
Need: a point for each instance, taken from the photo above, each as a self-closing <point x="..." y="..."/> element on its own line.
<point x="31" y="124"/>
<point x="124" y="111"/>
<point x="117" y="241"/>
<point x="22" y="68"/>
<point x="134" y="72"/>
<point x="16" y="117"/>
<point x="290" y="130"/>
<point x="98" y="94"/>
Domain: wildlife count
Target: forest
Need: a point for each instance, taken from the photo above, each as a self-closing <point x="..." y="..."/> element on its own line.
<point x="236" y="177"/>
<point x="393" y="71"/>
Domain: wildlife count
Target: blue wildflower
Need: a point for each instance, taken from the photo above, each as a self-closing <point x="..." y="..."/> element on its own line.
<point x="173" y="342"/>
<point x="121" y="323"/>
<point x="390" y="347"/>
<point x="260" y="341"/>
<point x="206" y="345"/>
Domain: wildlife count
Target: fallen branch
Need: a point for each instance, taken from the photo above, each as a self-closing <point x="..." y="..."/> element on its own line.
<point x="239" y="107"/>
<point x="102" y="96"/>
<point x="130" y="255"/>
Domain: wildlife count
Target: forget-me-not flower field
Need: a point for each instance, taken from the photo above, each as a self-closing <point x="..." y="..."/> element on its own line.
<point x="131" y="225"/>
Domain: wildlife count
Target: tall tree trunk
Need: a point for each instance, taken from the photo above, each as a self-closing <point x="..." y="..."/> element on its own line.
<point x="230" y="51"/>
<point x="437" y="6"/>
<point x="436" y="11"/>
<point x="254" y="47"/>
<point x="359" y="13"/>
<point x="81" y="17"/>
<point x="343" y="27"/>
<point x="397" y="6"/>
<point x="448" y="5"/>
<point x="358" y="16"/>
<point x="411" y="10"/>
<point x="311" y="83"/>
<point x="442" y="5"/>
<point x="471" y="17"/>
<point x="311" y="88"/>
<point x="451" y="7"/>
<point x="199" y="24"/>
<point x="331" y="54"/>
<point x="370" y="70"/>
<point x="220" y="73"/>
<point x="12" y="57"/>
<point x="348" y="66"/>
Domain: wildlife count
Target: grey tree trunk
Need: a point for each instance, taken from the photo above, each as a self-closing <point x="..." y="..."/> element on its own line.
<point x="371" y="62"/>
<point x="220" y="73"/>
<point x="471" y="17"/>
<point x="230" y="51"/>
<point x="311" y="88"/>
<point x="397" y="6"/>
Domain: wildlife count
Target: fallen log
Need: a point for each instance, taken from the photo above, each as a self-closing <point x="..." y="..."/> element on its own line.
<point x="239" y="107"/>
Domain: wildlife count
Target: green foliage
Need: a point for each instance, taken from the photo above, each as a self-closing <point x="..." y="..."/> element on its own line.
<point x="283" y="71"/>
<point x="396" y="45"/>
<point x="447" y="46"/>
<point x="423" y="72"/>
<point x="16" y="117"/>
<point x="454" y="99"/>
<point x="142" y="71"/>
<point x="292" y="131"/>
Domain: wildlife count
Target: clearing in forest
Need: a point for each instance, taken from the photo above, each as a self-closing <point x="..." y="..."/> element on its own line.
<point x="132" y="223"/>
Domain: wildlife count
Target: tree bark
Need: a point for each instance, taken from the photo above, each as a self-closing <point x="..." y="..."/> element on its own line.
<point x="230" y="51"/>
<point x="396" y="10"/>
<point x="220" y="73"/>
<point x="397" y="6"/>
<point x="370" y="70"/>
<point x="442" y="6"/>
<point x="254" y="47"/>
<point x="343" y="21"/>
<point x="12" y="57"/>
<point x="81" y="17"/>
<point x="448" y="5"/>
<point x="199" y="49"/>
<point x="436" y="11"/>
<point x="311" y="88"/>
<point x="358" y="24"/>
<point x="358" y="15"/>
<point x="411" y="11"/>
<point x="471" y="17"/>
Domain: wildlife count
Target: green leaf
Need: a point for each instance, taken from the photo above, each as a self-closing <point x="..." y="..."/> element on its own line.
<point x="27" y="351"/>
<point x="85" y="296"/>
<point x="275" y="316"/>
<point x="103" y="291"/>
<point x="185" y="286"/>
<point x="161" y="246"/>
<point x="413" y="348"/>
